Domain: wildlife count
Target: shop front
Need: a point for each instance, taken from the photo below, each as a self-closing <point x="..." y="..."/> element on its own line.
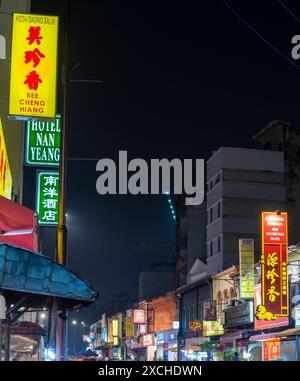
<point x="137" y="350"/>
<point x="272" y="341"/>
<point x="278" y="346"/>
<point x="239" y="319"/>
<point x="166" y="345"/>
<point x="192" y="351"/>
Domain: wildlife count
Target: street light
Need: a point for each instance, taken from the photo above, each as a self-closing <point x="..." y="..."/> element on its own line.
<point x="74" y="324"/>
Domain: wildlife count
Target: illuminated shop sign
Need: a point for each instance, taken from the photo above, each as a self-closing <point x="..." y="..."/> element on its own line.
<point x="272" y="349"/>
<point x="246" y="251"/>
<point x="43" y="143"/>
<point x="274" y="260"/>
<point x="212" y="328"/>
<point x="47" y="203"/>
<point x="264" y="324"/>
<point x="139" y="316"/>
<point x="33" y="66"/>
<point x="5" y="173"/>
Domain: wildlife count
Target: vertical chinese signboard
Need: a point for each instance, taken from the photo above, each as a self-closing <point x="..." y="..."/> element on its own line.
<point x="274" y="266"/>
<point x="43" y="143"/>
<point x="272" y="349"/>
<point x="33" y="66"/>
<point x="273" y="322"/>
<point x="246" y="250"/>
<point x="139" y="317"/>
<point x="5" y="173"/>
<point x="47" y="197"/>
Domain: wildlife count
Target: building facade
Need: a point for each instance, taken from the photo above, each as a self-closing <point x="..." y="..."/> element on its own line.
<point x="241" y="183"/>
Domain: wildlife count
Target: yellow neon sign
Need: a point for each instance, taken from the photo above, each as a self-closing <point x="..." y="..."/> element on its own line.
<point x="33" y="66"/>
<point x="5" y="173"/>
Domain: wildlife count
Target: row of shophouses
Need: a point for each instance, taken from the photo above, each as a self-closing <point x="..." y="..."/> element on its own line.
<point x="205" y="316"/>
<point x="205" y="320"/>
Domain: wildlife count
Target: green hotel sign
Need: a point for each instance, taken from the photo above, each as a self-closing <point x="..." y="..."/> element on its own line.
<point x="43" y="143"/>
<point x="47" y="197"/>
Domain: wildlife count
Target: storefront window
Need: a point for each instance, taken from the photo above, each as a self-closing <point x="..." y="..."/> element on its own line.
<point x="288" y="350"/>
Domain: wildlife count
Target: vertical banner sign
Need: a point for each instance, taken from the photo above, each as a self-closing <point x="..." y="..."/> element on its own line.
<point x="272" y="349"/>
<point x="274" y="266"/>
<point x="43" y="143"/>
<point x="33" y="66"/>
<point x="246" y="251"/>
<point x="47" y="197"/>
<point x="139" y="317"/>
<point x="5" y="173"/>
<point x="267" y="320"/>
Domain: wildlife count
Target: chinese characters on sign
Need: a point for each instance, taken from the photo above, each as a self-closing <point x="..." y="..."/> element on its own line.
<point x="33" y="66"/>
<point x="212" y="328"/>
<point x="274" y="267"/>
<point x="147" y="340"/>
<point x="139" y="317"/>
<point x="210" y="310"/>
<point x="47" y="197"/>
<point x="272" y="349"/>
<point x="5" y="173"/>
<point x="43" y="143"/>
<point x="246" y="250"/>
<point x="195" y="326"/>
<point x="264" y="319"/>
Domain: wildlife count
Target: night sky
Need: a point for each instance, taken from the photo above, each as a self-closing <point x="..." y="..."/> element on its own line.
<point x="180" y="79"/>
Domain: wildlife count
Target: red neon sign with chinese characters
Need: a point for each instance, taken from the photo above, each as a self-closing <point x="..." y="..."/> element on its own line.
<point x="274" y="267"/>
<point x="272" y="349"/>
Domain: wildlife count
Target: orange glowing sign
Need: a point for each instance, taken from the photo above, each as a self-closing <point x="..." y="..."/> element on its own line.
<point x="195" y="325"/>
<point x="139" y="317"/>
<point x="274" y="267"/>
<point x="33" y="66"/>
<point x="147" y="340"/>
<point x="5" y="173"/>
<point x="272" y="349"/>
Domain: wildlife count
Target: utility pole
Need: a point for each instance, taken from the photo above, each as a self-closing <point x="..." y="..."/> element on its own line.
<point x="61" y="237"/>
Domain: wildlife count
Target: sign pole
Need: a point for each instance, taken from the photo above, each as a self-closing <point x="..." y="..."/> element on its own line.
<point x="61" y="238"/>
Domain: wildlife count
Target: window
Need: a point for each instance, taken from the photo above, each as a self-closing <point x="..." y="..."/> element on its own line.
<point x="184" y="319"/>
<point x="219" y="209"/>
<point x="219" y="303"/>
<point x="211" y="214"/>
<point x="208" y="217"/>
<point x="232" y="293"/>
<point x="219" y="244"/>
<point x="211" y="248"/>
<point x="225" y="294"/>
<point x="200" y="311"/>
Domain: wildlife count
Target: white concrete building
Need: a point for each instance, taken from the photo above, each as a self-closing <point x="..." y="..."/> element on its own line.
<point x="241" y="183"/>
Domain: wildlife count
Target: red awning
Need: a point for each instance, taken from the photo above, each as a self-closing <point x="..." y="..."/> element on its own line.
<point x="18" y="224"/>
